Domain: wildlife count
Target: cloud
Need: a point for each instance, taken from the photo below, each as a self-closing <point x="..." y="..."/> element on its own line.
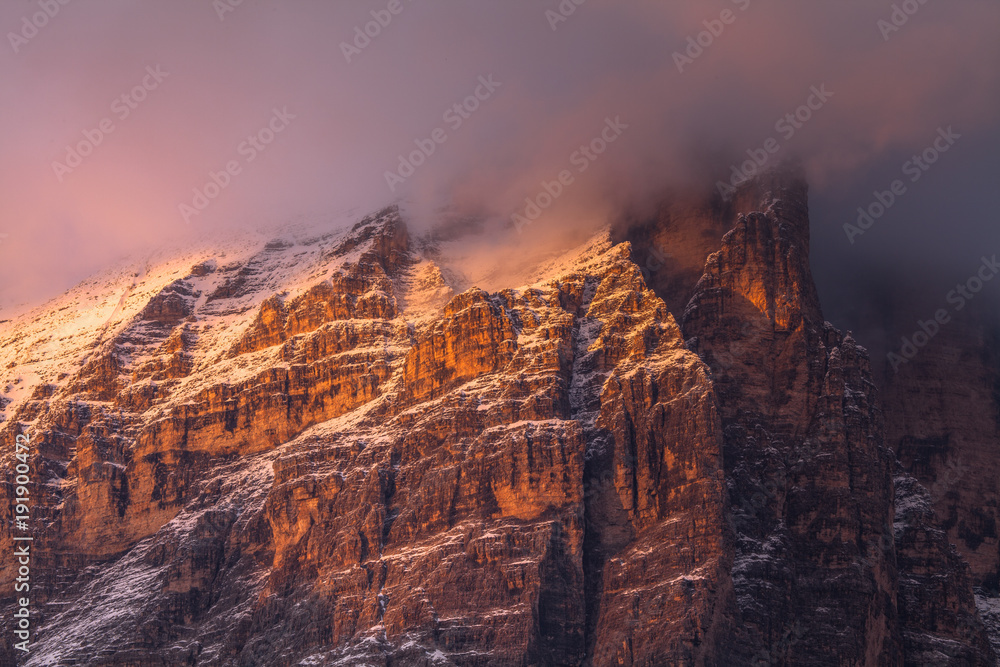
<point x="353" y="120"/>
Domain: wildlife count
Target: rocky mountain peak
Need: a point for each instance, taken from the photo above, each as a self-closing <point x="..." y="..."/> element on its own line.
<point x="623" y="462"/>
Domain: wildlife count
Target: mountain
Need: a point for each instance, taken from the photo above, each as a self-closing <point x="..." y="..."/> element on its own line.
<point x="943" y="421"/>
<point x="322" y="449"/>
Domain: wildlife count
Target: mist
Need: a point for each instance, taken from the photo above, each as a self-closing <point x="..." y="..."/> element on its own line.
<point x="202" y="117"/>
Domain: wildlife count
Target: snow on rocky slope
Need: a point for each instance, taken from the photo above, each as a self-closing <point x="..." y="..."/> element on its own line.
<point x="328" y="448"/>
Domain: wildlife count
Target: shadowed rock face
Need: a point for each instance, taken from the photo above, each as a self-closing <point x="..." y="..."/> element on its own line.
<point x="944" y="424"/>
<point x="808" y="467"/>
<point x="317" y="453"/>
<point x="943" y="421"/>
<point x="937" y="606"/>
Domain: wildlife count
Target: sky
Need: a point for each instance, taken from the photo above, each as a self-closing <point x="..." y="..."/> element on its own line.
<point x="127" y="125"/>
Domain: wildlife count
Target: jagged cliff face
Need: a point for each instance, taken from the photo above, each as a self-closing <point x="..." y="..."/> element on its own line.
<point x="315" y="451"/>
<point x="822" y="565"/>
<point x="945" y="425"/>
<point x="943" y="420"/>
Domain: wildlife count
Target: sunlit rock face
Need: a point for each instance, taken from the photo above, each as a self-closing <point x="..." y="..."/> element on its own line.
<point x="319" y="450"/>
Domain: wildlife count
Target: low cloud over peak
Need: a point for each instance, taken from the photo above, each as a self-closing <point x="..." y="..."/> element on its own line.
<point x="99" y="160"/>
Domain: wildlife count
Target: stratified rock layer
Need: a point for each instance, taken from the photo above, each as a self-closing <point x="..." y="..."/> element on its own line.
<point x="313" y="451"/>
<point x="527" y="478"/>
<point x="821" y="575"/>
